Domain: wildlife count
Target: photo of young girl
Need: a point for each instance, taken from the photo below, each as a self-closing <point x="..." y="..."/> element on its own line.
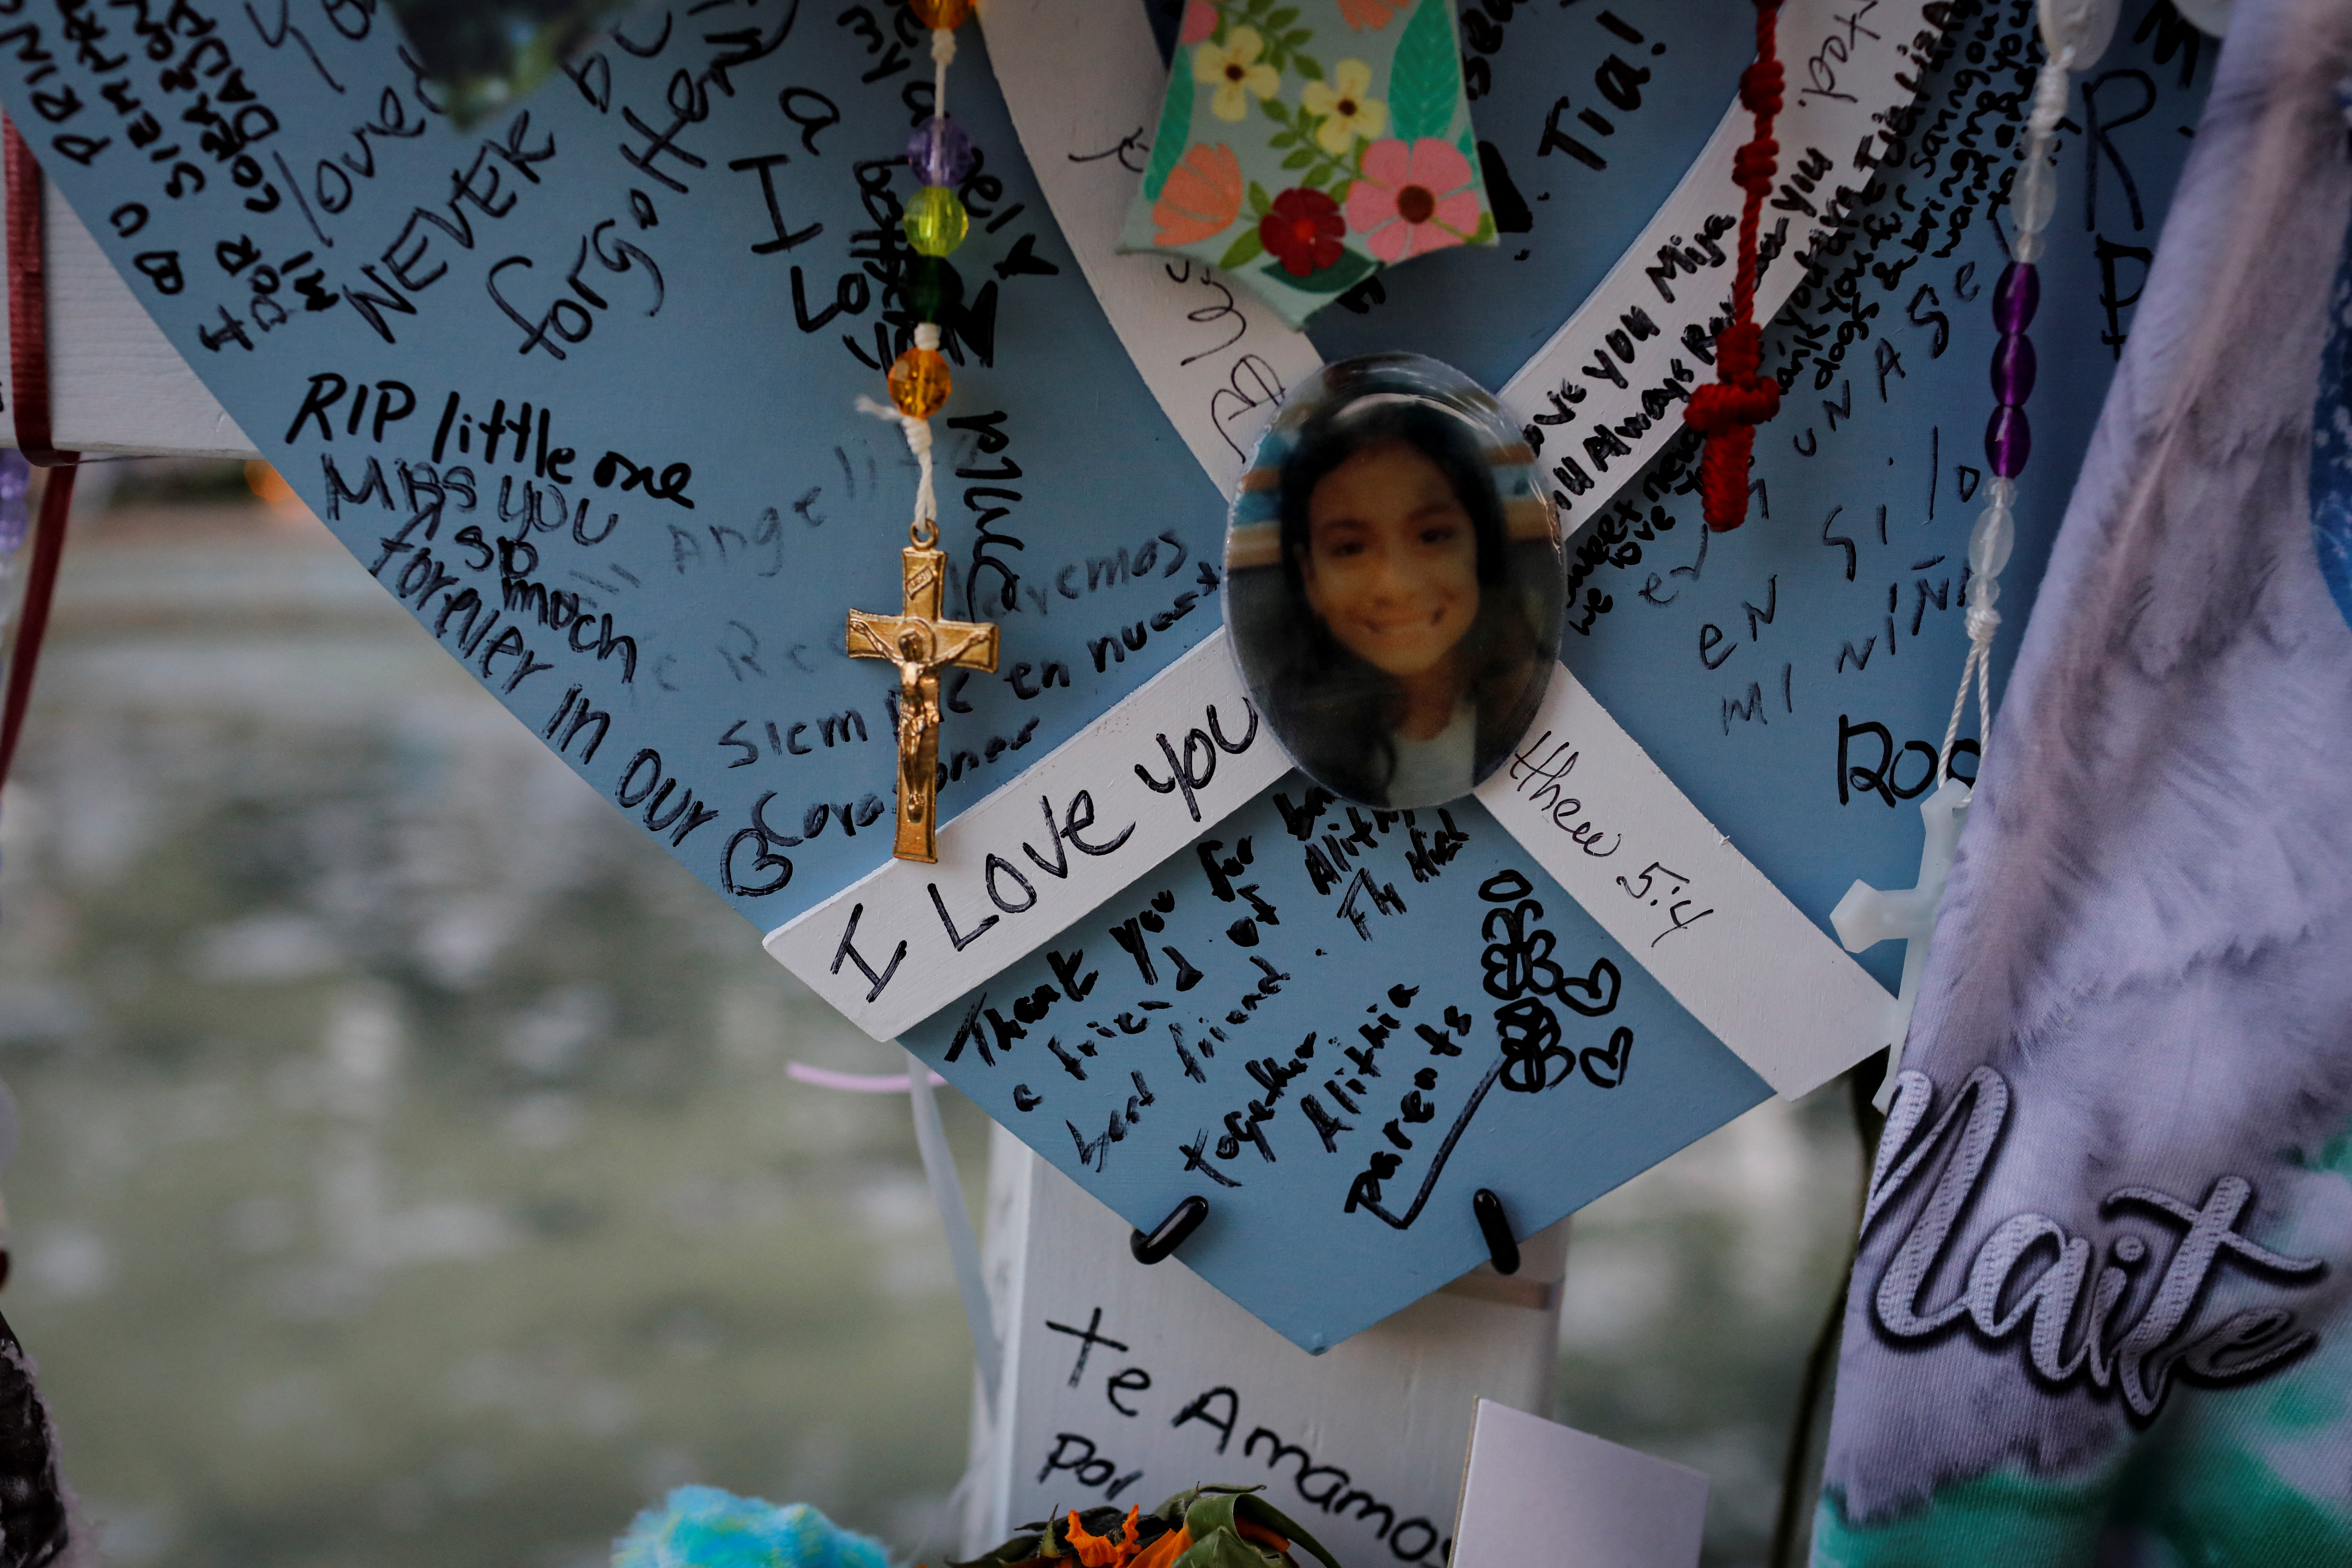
<point x="1393" y="581"/>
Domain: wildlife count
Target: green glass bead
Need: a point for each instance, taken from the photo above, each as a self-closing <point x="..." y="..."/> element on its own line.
<point x="936" y="222"/>
<point x="933" y="288"/>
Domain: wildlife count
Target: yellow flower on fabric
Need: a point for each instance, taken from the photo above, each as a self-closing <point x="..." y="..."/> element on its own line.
<point x="1232" y="68"/>
<point x="1347" y="112"/>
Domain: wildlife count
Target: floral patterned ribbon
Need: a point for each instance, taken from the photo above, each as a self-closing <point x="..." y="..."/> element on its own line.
<point x="1305" y="144"/>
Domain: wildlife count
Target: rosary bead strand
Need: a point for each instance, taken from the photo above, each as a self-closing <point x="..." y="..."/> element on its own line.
<point x="2008" y="433"/>
<point x="923" y="640"/>
<point x="934" y="224"/>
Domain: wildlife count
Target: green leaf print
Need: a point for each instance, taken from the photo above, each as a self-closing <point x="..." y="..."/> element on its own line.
<point x="1244" y="250"/>
<point x="1426" y="77"/>
<point x="1351" y="270"/>
<point x="1175" y="128"/>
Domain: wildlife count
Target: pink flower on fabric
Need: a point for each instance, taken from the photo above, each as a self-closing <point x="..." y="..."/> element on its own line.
<point x="1200" y="21"/>
<point x="1412" y="200"/>
<point x="1362" y="14"/>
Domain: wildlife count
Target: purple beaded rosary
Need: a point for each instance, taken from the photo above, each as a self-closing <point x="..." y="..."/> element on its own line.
<point x="2072" y="31"/>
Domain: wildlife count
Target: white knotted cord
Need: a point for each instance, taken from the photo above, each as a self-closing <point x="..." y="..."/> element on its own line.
<point x="942" y="56"/>
<point x="1983" y="622"/>
<point x="925" y="528"/>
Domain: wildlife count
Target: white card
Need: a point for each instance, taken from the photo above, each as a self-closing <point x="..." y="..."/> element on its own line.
<point x="1540" y="1495"/>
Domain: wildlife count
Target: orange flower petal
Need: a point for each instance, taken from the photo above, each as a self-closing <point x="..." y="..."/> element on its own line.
<point x="1164" y="1551"/>
<point x="1202" y="198"/>
<point x="1094" y="1551"/>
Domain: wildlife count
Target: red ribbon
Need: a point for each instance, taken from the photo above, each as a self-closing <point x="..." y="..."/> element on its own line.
<point x="28" y="382"/>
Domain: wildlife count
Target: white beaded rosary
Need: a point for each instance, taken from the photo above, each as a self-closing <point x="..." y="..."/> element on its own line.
<point x="2073" y="32"/>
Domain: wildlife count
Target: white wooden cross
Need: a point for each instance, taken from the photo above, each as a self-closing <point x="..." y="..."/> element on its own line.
<point x="1866" y="916"/>
<point x="1488" y="1335"/>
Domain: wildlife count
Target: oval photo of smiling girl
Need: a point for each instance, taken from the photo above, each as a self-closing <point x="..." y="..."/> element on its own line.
<point x="1393" y="580"/>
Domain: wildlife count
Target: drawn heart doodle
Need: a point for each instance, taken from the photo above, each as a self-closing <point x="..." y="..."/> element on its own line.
<point x="1619" y="1053"/>
<point x="1602" y="986"/>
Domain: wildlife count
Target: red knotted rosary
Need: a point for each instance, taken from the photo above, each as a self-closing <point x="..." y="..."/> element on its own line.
<point x="1728" y="409"/>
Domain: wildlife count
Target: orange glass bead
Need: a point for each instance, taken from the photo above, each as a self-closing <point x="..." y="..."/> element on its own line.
<point x="938" y="14"/>
<point x="919" y="382"/>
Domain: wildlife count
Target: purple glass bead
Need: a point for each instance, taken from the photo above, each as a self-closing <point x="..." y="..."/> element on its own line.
<point x="2016" y="297"/>
<point x="2009" y="441"/>
<point x="2012" y="370"/>
<point x="940" y="153"/>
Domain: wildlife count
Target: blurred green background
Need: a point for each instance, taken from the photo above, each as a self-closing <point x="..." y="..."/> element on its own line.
<point x="409" y="1172"/>
<point x="486" y="53"/>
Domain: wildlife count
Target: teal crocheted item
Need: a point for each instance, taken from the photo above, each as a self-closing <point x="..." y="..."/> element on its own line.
<point x="703" y="1527"/>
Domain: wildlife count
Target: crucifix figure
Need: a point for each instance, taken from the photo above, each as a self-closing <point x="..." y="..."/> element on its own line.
<point x="1866" y="916"/>
<point x="922" y="644"/>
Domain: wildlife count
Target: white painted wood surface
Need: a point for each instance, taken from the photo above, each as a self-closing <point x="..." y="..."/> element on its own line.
<point x="116" y="385"/>
<point x="1042" y="851"/>
<point x="1377" y="1428"/>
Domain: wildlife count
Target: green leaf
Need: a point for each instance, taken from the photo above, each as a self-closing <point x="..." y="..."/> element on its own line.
<point x="1425" y="75"/>
<point x="1213" y="1516"/>
<point x="1282" y="19"/>
<point x="1245" y="249"/>
<point x="1221" y="1549"/>
<point x="1316" y="179"/>
<point x="1293" y="40"/>
<point x="1282" y="139"/>
<point x="1175" y="133"/>
<point x="1351" y="270"/>
<point x="1258" y="1511"/>
<point x="1299" y="159"/>
<point x="1260" y="203"/>
<point x="1307" y="66"/>
<point x="1485" y="234"/>
<point x="1276" y="110"/>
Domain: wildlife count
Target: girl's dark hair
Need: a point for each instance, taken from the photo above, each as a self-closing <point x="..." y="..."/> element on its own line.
<point x="1336" y="710"/>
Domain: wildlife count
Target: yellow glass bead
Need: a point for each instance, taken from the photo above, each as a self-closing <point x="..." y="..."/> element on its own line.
<point x="938" y="14"/>
<point x="919" y="382"/>
<point x="936" y="222"/>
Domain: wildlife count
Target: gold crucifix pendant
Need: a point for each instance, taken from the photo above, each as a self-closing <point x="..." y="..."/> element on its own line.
<point x="922" y="644"/>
